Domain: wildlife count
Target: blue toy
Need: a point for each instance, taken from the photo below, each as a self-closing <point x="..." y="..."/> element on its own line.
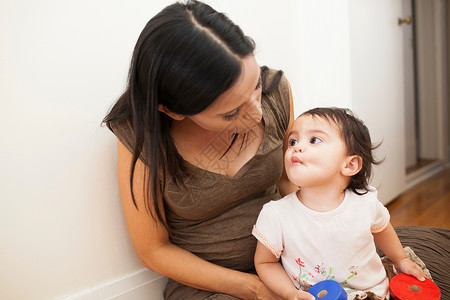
<point x="328" y="290"/>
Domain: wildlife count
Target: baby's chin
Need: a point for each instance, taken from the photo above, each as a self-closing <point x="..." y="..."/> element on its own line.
<point x="294" y="179"/>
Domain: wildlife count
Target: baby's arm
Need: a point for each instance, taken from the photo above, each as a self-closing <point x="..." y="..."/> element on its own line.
<point x="389" y="243"/>
<point x="272" y="274"/>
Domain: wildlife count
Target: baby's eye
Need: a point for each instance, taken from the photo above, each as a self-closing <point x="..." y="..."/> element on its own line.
<point x="292" y="142"/>
<point x="315" y="140"/>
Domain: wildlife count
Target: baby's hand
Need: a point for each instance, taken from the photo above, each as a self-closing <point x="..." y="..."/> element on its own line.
<point x="300" y="295"/>
<point x="409" y="267"/>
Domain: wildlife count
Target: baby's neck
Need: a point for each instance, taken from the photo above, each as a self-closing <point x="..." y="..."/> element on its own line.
<point x="321" y="200"/>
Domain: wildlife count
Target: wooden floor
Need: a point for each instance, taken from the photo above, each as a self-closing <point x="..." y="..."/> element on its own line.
<point x="427" y="203"/>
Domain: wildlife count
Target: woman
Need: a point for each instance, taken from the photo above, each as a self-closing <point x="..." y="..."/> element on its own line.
<point x="201" y="130"/>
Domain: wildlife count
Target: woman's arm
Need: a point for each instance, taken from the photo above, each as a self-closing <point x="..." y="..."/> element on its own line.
<point x="387" y="240"/>
<point x="274" y="276"/>
<point x="151" y="243"/>
<point x="285" y="185"/>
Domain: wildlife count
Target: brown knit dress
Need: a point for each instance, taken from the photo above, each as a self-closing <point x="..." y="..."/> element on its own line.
<point x="212" y="215"/>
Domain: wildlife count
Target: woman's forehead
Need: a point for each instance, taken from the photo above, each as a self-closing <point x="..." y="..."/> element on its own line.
<point x="241" y="90"/>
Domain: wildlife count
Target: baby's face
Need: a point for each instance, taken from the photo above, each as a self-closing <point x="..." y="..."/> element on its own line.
<point x="316" y="152"/>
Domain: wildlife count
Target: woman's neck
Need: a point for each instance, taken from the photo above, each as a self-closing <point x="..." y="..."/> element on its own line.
<point x="214" y="151"/>
<point x="195" y="137"/>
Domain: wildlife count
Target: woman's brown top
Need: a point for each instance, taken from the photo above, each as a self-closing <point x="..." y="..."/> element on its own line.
<point x="212" y="215"/>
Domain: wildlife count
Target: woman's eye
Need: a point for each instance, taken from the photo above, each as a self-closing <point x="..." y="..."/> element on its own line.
<point x="232" y="117"/>
<point x="292" y="142"/>
<point x="315" y="140"/>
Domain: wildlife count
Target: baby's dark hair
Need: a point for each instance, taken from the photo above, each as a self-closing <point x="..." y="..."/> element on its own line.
<point x="357" y="139"/>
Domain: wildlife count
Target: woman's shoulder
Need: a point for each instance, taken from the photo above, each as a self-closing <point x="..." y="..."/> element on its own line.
<point x="124" y="132"/>
<point x="276" y="99"/>
<point x="274" y="81"/>
<point x="119" y="121"/>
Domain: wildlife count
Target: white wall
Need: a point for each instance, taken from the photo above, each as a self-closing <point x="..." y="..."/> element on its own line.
<point x="62" y="64"/>
<point x="378" y="86"/>
<point x="60" y="210"/>
<point x="308" y="40"/>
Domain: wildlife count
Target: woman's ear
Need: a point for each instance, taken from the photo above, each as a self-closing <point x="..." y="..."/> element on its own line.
<point x="175" y="116"/>
<point x="352" y="165"/>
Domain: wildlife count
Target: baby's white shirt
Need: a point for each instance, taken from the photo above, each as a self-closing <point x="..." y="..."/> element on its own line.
<point x="337" y="245"/>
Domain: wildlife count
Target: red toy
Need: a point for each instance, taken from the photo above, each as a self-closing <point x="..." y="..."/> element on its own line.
<point x="406" y="287"/>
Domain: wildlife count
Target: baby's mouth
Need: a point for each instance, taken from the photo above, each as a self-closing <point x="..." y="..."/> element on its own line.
<point x="296" y="160"/>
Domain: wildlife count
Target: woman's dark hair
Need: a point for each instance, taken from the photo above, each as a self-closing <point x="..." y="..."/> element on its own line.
<point x="357" y="139"/>
<point x="185" y="58"/>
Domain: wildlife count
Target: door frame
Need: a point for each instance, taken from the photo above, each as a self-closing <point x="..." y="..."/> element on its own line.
<point x="431" y="59"/>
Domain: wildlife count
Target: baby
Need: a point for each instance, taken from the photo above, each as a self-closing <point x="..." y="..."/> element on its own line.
<point x="328" y="228"/>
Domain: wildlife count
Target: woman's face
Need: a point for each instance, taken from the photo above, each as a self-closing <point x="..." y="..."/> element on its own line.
<point x="239" y="108"/>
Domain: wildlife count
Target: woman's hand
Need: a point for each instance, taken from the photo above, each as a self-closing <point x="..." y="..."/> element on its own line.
<point x="263" y="293"/>
<point x="300" y="295"/>
<point x="260" y="290"/>
<point x="407" y="266"/>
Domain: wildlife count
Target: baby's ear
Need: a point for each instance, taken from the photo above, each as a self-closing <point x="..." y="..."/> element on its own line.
<point x="353" y="165"/>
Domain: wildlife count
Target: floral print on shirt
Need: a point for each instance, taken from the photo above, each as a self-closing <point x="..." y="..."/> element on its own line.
<point x="321" y="272"/>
